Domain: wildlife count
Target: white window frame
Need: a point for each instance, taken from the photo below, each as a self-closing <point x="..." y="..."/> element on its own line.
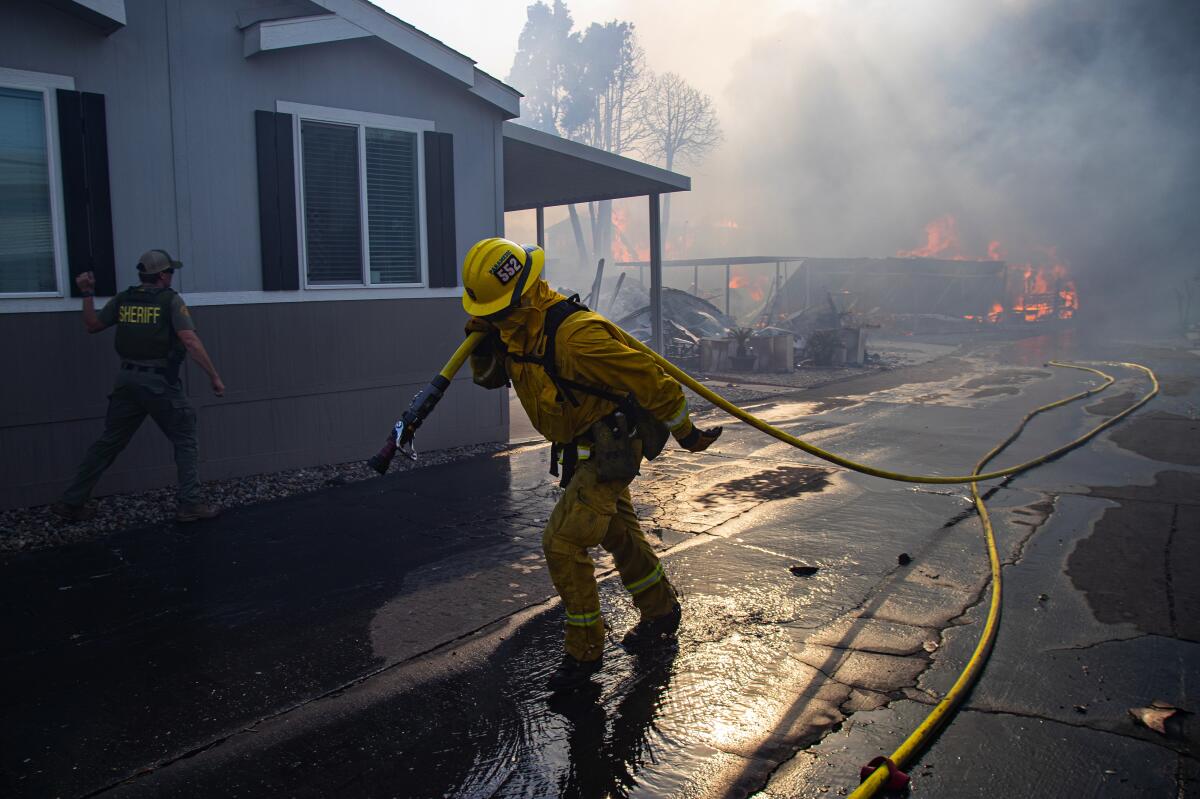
<point x="363" y="120"/>
<point x="46" y="84"/>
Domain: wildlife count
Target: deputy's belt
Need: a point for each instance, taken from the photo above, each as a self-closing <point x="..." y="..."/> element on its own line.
<point x="137" y="367"/>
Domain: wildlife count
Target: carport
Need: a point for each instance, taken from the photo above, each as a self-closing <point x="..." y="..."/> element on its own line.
<point x="542" y="170"/>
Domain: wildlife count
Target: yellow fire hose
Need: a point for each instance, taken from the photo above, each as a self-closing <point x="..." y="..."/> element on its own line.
<point x="945" y="709"/>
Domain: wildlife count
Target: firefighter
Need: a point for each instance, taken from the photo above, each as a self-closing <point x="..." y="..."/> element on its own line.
<point x="604" y="405"/>
<point x="154" y="333"/>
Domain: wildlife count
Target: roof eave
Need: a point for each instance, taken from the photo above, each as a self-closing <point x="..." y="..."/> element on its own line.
<point x="673" y="181"/>
<point x="107" y="15"/>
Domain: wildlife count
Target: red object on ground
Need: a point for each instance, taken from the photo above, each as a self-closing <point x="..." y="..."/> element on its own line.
<point x="897" y="780"/>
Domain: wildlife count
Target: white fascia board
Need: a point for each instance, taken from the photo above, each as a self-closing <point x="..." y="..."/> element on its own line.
<point x="404" y="36"/>
<point x="298" y="32"/>
<point x="498" y="94"/>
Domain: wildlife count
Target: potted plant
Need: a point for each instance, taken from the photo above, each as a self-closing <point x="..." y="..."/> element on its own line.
<point x="821" y="346"/>
<point x="742" y="361"/>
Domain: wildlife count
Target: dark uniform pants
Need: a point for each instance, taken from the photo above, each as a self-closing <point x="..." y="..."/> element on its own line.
<point x="588" y="514"/>
<point x="135" y="396"/>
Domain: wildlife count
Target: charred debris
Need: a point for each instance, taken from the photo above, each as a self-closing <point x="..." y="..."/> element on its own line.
<point x="780" y="314"/>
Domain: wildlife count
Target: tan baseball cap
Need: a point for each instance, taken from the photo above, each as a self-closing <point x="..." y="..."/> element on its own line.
<point x="155" y="261"/>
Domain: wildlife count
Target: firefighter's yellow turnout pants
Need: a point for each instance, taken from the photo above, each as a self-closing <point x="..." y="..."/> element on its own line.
<point x="588" y="514"/>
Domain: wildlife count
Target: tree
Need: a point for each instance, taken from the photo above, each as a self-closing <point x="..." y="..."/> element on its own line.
<point x="584" y="86"/>
<point x="604" y="93"/>
<point x="545" y="55"/>
<point x="605" y="88"/>
<point x="680" y="126"/>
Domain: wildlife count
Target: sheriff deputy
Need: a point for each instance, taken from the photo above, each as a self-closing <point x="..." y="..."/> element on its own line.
<point x="154" y="332"/>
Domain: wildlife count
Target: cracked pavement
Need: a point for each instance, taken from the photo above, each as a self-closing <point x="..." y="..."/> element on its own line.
<point x="392" y="638"/>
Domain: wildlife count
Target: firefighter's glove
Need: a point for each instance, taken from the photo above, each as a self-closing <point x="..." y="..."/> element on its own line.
<point x="478" y="325"/>
<point x="490" y="344"/>
<point x="487" y="359"/>
<point x="697" y="440"/>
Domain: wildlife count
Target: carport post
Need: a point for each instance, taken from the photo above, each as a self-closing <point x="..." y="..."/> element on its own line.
<point x="727" y="279"/>
<point x="541" y="234"/>
<point x="656" y="317"/>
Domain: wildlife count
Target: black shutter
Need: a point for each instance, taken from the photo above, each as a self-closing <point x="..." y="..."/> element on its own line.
<point x="277" y="201"/>
<point x="83" y="146"/>
<point x="439" y="210"/>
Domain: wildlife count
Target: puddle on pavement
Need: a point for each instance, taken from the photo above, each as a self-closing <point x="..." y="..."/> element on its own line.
<point x="781" y="482"/>
<point x="1161" y="436"/>
<point x="995" y="392"/>
<point x="1145" y="579"/>
<point x="1112" y="405"/>
<point x="1176" y="385"/>
<point x="1006" y="377"/>
<point x="794" y="411"/>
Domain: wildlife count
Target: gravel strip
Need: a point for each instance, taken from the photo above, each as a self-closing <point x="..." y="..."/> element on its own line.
<point x="27" y="529"/>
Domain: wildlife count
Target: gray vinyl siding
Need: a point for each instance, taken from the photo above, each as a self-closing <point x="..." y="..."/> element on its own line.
<point x="309" y="382"/>
<point x="130" y="68"/>
<point x="181" y="99"/>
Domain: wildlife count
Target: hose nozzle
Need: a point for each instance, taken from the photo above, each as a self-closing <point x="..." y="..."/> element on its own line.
<point x="400" y="439"/>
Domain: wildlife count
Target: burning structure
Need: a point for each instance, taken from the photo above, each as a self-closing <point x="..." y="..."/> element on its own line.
<point x="979" y="291"/>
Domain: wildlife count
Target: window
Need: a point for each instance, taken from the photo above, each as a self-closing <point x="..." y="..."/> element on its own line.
<point x="30" y="224"/>
<point x="361" y="198"/>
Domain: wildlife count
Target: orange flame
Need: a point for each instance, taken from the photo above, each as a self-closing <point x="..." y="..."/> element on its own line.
<point x="1044" y="292"/>
<point x="1036" y="292"/>
<point x="754" y="284"/>
<point x="623" y="248"/>
<point x="941" y="241"/>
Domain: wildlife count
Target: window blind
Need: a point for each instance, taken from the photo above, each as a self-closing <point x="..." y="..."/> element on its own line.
<point x="332" y="228"/>
<point x="26" y="233"/>
<point x="392" y="206"/>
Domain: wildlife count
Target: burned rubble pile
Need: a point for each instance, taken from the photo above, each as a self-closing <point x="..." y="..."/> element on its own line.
<point x="686" y="320"/>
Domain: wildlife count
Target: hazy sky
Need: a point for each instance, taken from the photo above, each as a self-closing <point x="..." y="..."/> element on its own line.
<point x="1067" y="127"/>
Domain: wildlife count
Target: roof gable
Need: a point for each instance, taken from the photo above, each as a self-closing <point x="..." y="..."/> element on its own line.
<point x="353" y="19"/>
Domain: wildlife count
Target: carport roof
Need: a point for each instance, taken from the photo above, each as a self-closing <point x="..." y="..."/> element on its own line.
<point x="544" y="170"/>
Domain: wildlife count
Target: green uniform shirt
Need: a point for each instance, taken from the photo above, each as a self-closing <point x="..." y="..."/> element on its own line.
<point x="181" y="319"/>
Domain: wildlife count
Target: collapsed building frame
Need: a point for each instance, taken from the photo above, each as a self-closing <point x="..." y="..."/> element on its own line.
<point x="971" y="289"/>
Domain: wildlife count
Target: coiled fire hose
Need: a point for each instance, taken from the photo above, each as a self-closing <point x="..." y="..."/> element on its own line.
<point x="883" y="772"/>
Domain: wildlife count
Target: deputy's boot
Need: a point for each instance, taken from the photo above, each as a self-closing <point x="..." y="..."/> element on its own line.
<point x="194" y="511"/>
<point x="73" y="513"/>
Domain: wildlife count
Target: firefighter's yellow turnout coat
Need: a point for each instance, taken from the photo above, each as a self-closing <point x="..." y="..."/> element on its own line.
<point x="589" y="350"/>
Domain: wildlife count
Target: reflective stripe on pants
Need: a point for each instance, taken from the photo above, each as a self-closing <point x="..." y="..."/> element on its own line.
<point x="588" y="514"/>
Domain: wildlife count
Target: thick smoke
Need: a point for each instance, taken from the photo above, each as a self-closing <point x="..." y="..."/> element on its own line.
<point x="1068" y="123"/>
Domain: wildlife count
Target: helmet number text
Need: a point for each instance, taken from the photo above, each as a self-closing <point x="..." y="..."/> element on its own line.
<point x="507" y="269"/>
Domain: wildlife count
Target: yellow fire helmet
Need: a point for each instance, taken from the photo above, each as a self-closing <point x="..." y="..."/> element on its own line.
<point x="496" y="272"/>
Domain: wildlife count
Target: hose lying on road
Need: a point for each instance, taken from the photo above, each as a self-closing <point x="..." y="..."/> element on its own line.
<point x="928" y="729"/>
<point x="945" y="709"/>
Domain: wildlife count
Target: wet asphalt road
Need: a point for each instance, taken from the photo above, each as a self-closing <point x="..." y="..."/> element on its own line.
<point x="392" y="638"/>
